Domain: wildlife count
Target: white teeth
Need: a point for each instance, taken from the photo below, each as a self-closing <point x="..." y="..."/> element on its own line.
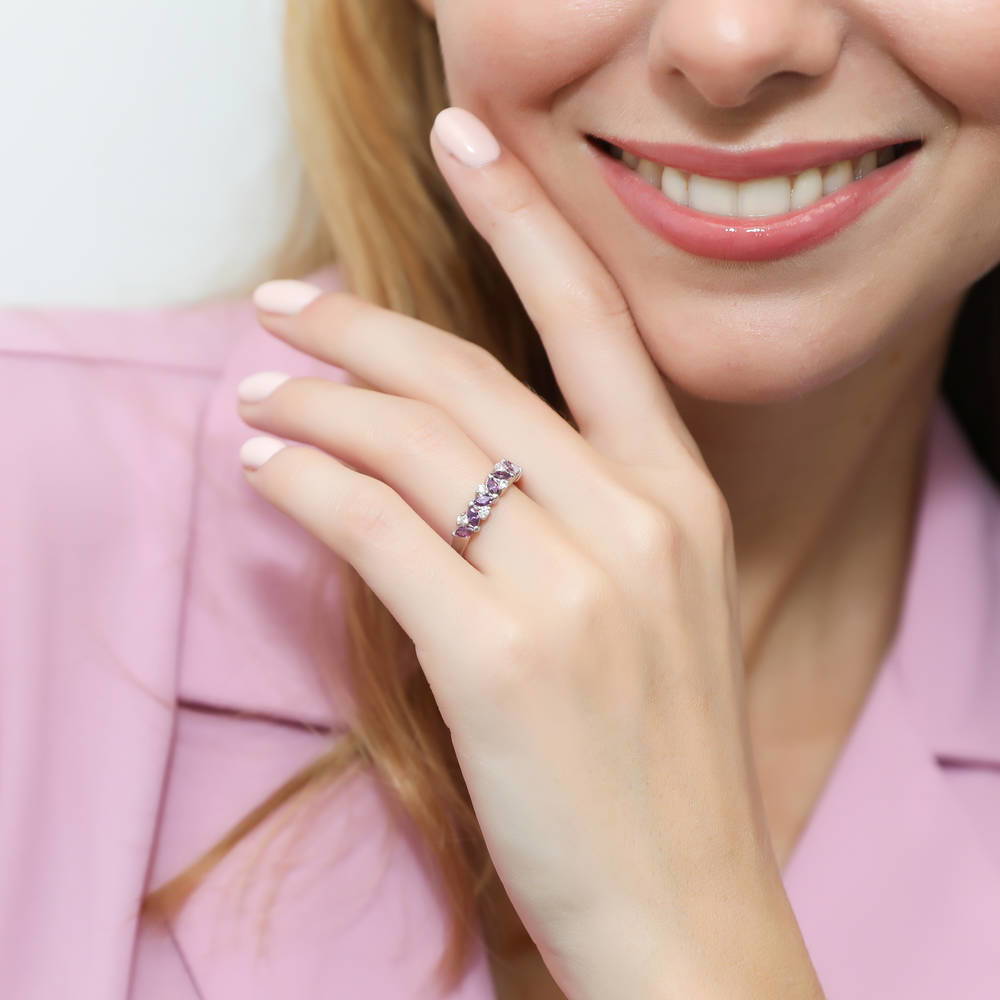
<point x="709" y="194"/>
<point x="675" y="185"/>
<point x="650" y="171"/>
<point x="760" y="197"/>
<point x="766" y="196"/>
<point x="837" y="176"/>
<point x="808" y="187"/>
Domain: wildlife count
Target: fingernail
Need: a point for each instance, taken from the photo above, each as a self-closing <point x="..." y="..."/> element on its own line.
<point x="285" y="296"/>
<point x="259" y="386"/>
<point x="257" y="450"/>
<point x="465" y="137"/>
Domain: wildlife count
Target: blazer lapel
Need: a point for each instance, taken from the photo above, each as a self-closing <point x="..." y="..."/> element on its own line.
<point x="895" y="886"/>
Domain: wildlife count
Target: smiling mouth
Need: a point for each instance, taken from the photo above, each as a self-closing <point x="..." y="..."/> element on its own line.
<point x="759" y="197"/>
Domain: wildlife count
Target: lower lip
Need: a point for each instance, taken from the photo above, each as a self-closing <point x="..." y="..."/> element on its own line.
<point x="767" y="238"/>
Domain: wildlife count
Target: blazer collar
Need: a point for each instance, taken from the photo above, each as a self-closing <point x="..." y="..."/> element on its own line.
<point x="948" y="641"/>
<point x="895" y="886"/>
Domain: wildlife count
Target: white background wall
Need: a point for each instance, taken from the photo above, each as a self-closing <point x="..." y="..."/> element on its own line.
<point x="145" y="157"/>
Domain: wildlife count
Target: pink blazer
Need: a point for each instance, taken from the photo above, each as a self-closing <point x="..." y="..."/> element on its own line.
<point x="157" y="679"/>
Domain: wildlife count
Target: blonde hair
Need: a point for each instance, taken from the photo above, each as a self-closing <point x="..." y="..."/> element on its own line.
<point x="364" y="81"/>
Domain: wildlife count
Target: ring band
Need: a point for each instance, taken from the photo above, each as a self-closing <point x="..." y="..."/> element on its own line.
<point x="470" y="520"/>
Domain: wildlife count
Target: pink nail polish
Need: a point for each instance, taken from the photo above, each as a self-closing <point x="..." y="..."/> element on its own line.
<point x="257" y="387"/>
<point x="466" y="137"/>
<point x="285" y="296"/>
<point x="256" y="451"/>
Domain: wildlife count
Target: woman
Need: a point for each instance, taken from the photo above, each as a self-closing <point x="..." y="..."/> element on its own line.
<point x="716" y="692"/>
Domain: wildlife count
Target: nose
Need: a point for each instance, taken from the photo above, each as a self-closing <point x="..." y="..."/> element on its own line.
<point x="728" y="49"/>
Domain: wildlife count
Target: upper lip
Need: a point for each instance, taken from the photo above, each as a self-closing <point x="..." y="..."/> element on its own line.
<point x="744" y="165"/>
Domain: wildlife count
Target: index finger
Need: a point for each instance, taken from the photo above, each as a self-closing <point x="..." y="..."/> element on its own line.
<point x="614" y="390"/>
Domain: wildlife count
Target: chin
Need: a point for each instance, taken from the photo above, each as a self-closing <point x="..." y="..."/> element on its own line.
<point x="749" y="366"/>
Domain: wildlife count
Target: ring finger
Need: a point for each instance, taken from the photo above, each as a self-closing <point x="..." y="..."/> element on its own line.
<point x="426" y="458"/>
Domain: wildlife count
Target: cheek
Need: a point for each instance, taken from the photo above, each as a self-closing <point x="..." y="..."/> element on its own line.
<point x="524" y="51"/>
<point x="952" y="47"/>
<point x="520" y="53"/>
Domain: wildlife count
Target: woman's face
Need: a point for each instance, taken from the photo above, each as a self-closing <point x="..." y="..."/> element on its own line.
<point x="730" y="74"/>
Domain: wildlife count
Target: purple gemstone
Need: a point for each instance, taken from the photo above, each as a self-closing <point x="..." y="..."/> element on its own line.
<point x="463" y="532"/>
<point x="485" y="499"/>
<point x="502" y="473"/>
<point x="472" y="515"/>
<point x="495" y="485"/>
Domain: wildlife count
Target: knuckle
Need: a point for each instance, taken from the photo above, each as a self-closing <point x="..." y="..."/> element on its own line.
<point x="650" y="534"/>
<point x="424" y="430"/>
<point x="599" y="296"/>
<point x="510" y="661"/>
<point x="365" y="510"/>
<point x="514" y="199"/>
<point x="466" y="364"/>
<point x="508" y="634"/>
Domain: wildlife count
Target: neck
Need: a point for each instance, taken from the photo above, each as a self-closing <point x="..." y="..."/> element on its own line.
<point x="822" y="491"/>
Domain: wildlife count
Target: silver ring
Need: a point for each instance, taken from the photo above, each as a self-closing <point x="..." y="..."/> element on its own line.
<point x="470" y="521"/>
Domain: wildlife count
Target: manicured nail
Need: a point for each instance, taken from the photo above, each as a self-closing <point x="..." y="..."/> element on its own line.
<point x="285" y="296"/>
<point x="257" y="450"/>
<point x="259" y="386"/>
<point x="466" y="137"/>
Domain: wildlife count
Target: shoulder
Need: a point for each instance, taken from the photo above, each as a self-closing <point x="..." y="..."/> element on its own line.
<point x="129" y="517"/>
<point x="195" y="338"/>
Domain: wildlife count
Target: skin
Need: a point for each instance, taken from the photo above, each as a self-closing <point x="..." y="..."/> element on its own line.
<point x="773" y="475"/>
<point x="807" y="382"/>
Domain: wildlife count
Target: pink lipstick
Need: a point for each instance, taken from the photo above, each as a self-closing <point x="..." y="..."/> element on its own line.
<point x="760" y="238"/>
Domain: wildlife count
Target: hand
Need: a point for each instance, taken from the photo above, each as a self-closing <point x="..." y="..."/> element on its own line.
<point x="585" y="652"/>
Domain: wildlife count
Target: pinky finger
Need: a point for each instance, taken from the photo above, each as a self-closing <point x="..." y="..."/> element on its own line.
<point x="415" y="572"/>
